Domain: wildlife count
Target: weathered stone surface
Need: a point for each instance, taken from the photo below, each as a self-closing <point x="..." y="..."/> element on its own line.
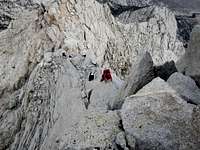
<point x="186" y="87"/>
<point x="22" y="46"/>
<point x="10" y="10"/>
<point x="125" y="141"/>
<point x="94" y="129"/>
<point x="189" y="64"/>
<point x="101" y="94"/>
<point x="120" y="6"/>
<point x="156" y="85"/>
<point x="142" y="14"/>
<point x="80" y="35"/>
<point x="136" y="3"/>
<point x="151" y="35"/>
<point x="121" y="140"/>
<point x="53" y="114"/>
<point x="131" y="141"/>
<point x="142" y="73"/>
<point x="185" y="25"/>
<point x="160" y="119"/>
<point x="46" y="55"/>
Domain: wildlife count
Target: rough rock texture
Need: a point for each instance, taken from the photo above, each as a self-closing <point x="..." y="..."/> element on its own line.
<point x="21" y="48"/>
<point x="189" y="64"/>
<point x="142" y="42"/>
<point x="156" y="84"/>
<point x="136" y="3"/>
<point x="77" y="27"/>
<point x="142" y="73"/>
<point x="9" y="10"/>
<point x="186" y="87"/>
<point x="101" y="94"/>
<point x="182" y="5"/>
<point x="160" y="119"/>
<point x="53" y="114"/>
<point x="185" y="25"/>
<point x="118" y="7"/>
<point x="48" y="50"/>
<point x="125" y="141"/>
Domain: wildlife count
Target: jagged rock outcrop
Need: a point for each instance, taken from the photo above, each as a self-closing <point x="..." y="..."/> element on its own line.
<point x="186" y="87"/>
<point x="142" y="73"/>
<point x="21" y="48"/>
<point x="118" y="7"/>
<point x="53" y="114"/>
<point x="48" y="49"/>
<point x="10" y="10"/>
<point x="136" y="3"/>
<point x="185" y="25"/>
<point x="189" y="64"/>
<point x="147" y="29"/>
<point x="159" y="119"/>
<point x="83" y="31"/>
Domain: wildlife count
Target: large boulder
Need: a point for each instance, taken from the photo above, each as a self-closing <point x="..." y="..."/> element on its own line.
<point x="186" y="87"/>
<point x="142" y="73"/>
<point x="101" y="94"/>
<point x="160" y="119"/>
<point x="157" y="85"/>
<point x="189" y="64"/>
<point x="92" y="130"/>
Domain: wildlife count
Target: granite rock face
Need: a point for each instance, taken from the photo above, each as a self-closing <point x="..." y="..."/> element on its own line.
<point x="185" y="26"/>
<point x="189" y="63"/>
<point x="159" y="119"/>
<point x="186" y="87"/>
<point x="9" y="10"/>
<point x="49" y="49"/>
<point x="142" y="73"/>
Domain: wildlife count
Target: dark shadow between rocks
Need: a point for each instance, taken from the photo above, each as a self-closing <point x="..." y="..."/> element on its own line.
<point x="117" y="9"/>
<point x="166" y="70"/>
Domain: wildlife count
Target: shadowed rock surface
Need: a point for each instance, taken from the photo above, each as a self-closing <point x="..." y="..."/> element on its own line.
<point x="166" y="70"/>
<point x="189" y="64"/>
<point x="142" y="73"/>
<point x="186" y="87"/>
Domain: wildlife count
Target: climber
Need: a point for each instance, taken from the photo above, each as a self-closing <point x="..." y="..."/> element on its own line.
<point x="91" y="76"/>
<point x="106" y="76"/>
<point x="64" y="54"/>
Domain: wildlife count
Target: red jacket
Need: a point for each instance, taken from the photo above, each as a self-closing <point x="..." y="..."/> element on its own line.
<point x="106" y="75"/>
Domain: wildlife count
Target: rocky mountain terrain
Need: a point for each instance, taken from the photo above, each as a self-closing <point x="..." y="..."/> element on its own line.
<point x="182" y="5"/>
<point x="49" y="49"/>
